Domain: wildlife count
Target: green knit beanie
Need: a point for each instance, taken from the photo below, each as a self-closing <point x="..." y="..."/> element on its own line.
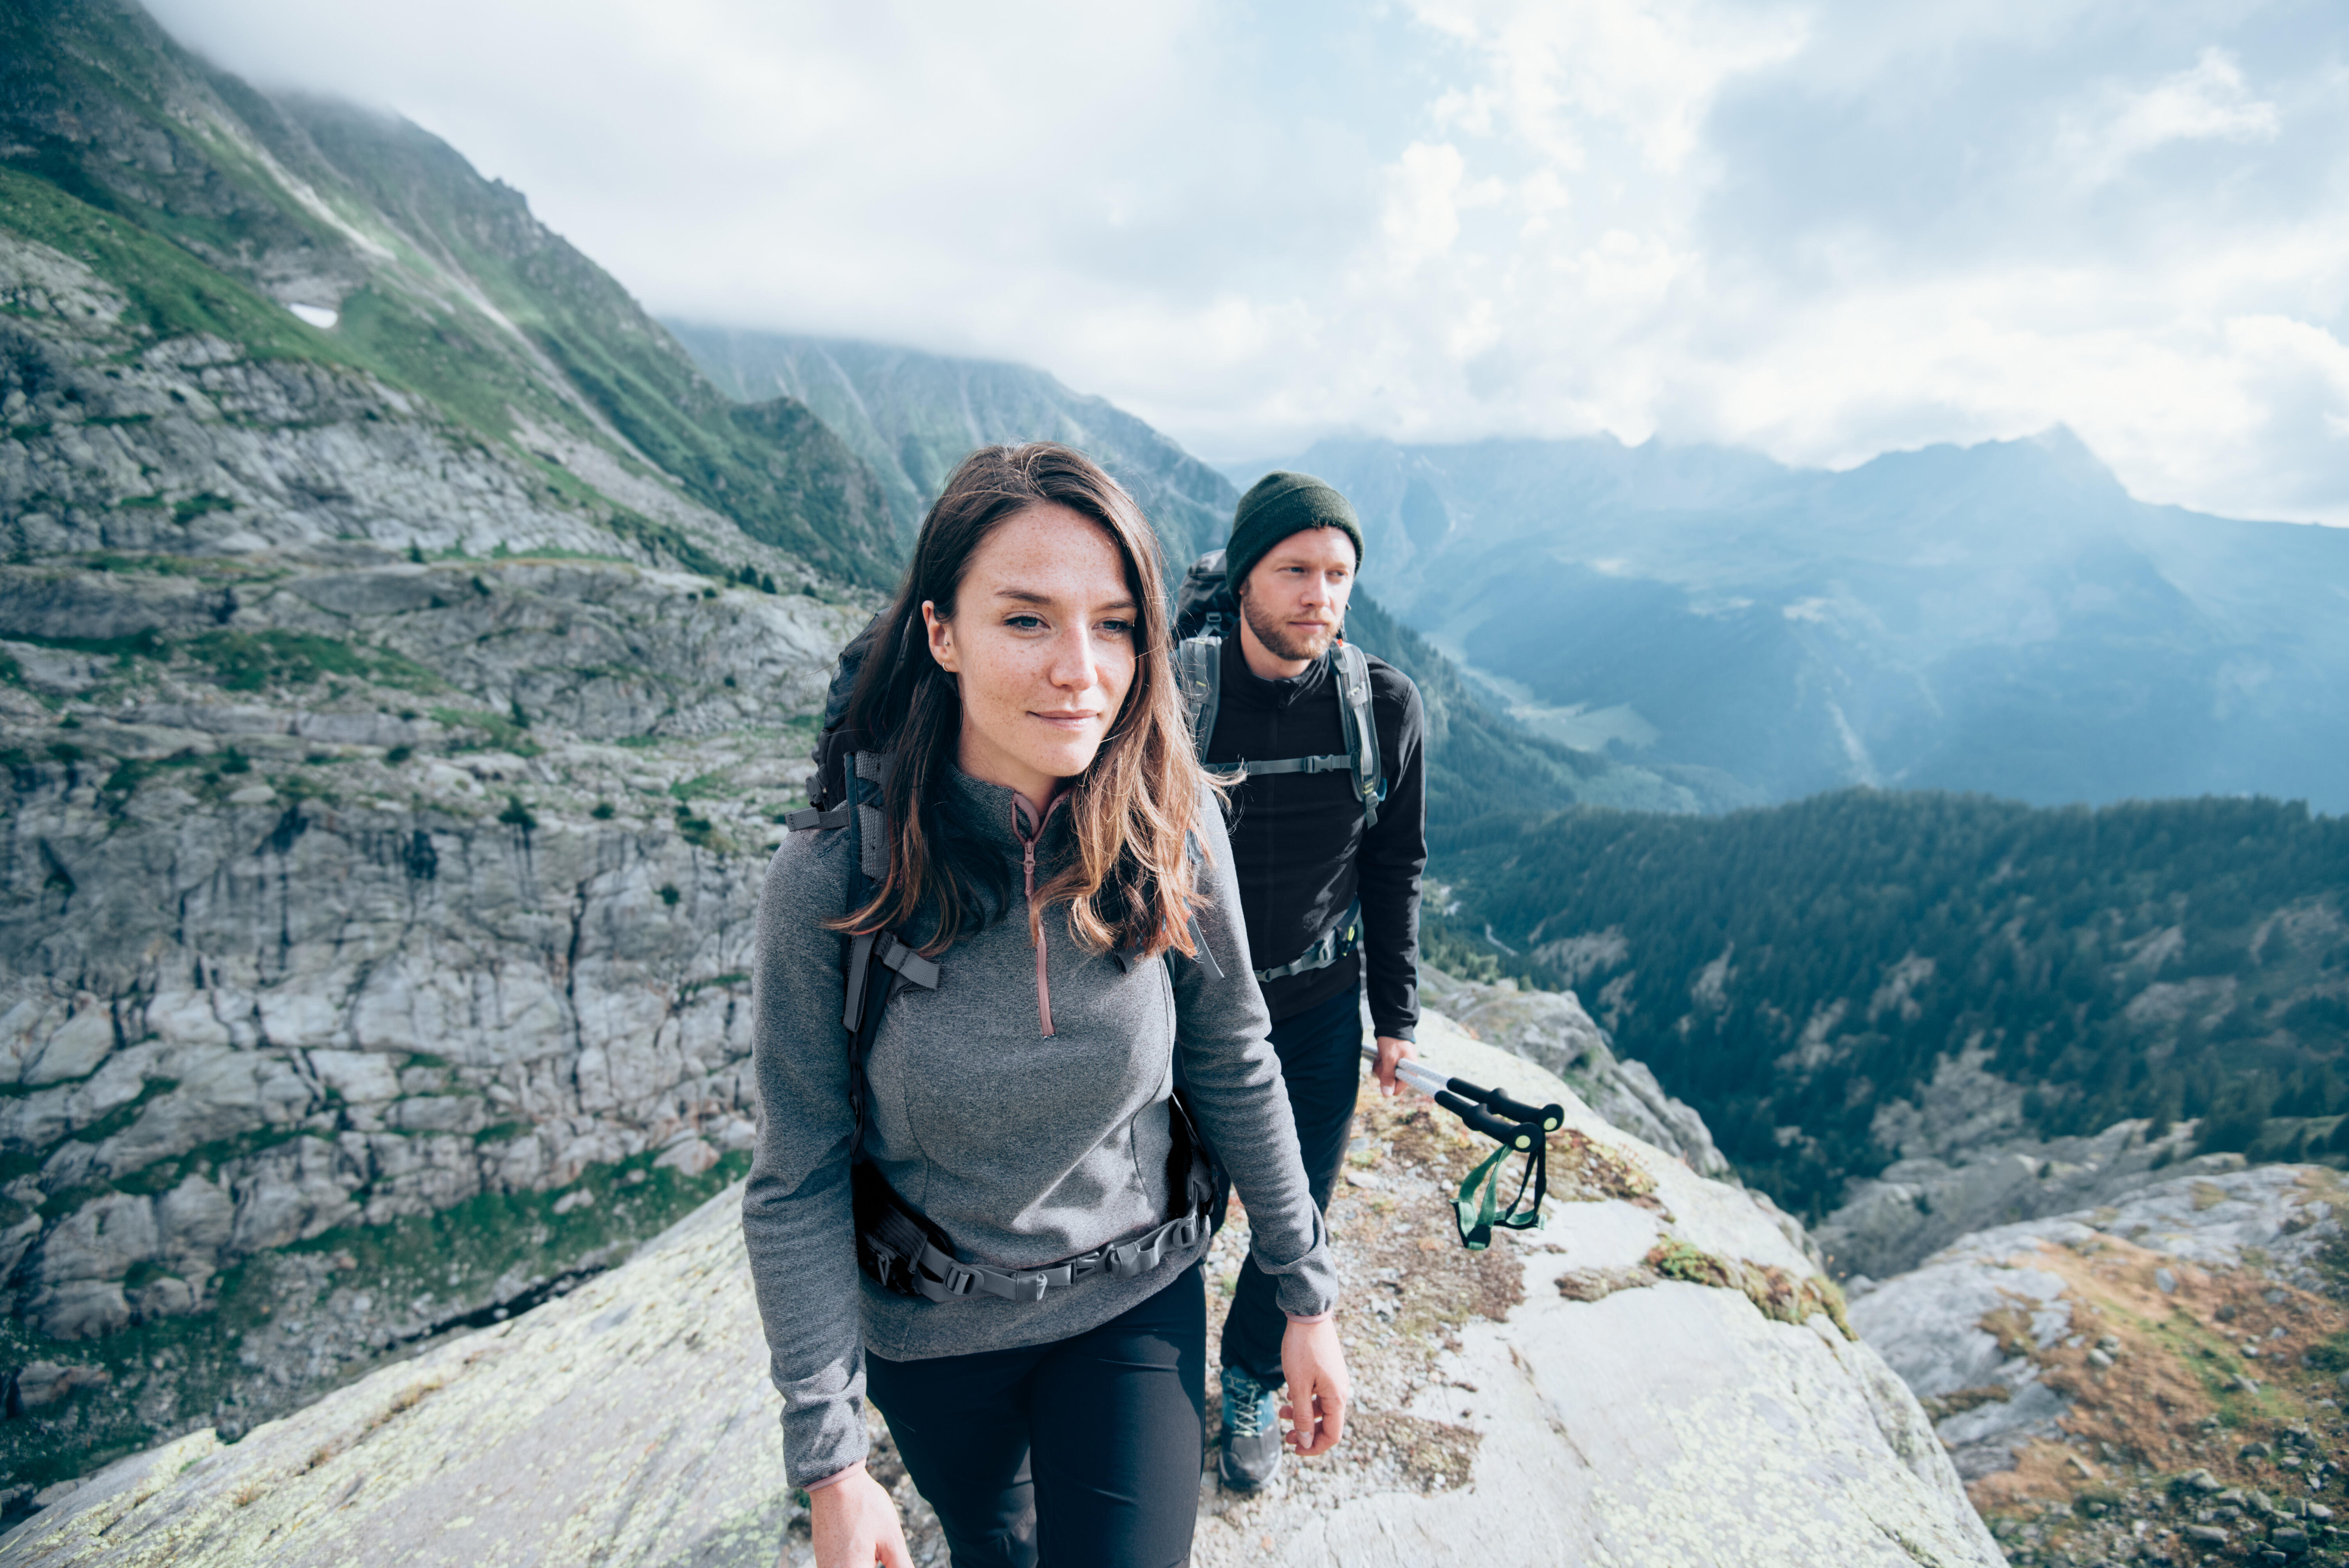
<point x="1277" y="506"/>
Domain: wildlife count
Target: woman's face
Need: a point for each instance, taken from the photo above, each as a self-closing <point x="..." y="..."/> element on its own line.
<point x="1042" y="645"/>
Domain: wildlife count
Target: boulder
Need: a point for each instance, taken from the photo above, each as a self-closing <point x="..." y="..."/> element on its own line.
<point x="1656" y="1376"/>
<point x="2112" y="1361"/>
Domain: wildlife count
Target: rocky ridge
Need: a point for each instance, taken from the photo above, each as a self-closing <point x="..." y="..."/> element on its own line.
<point x="1982" y="1175"/>
<point x="1510" y="1407"/>
<point x="404" y="651"/>
<point x="356" y="979"/>
<point x="2156" y="1380"/>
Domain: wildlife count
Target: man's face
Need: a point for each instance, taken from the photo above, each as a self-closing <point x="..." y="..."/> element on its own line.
<point x="1294" y="600"/>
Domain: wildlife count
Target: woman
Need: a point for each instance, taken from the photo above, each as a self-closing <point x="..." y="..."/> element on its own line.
<point x="1045" y="837"/>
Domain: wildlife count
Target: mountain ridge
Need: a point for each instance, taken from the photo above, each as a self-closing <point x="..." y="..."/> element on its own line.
<point x="894" y="402"/>
<point x="442" y="285"/>
<point x="2001" y="618"/>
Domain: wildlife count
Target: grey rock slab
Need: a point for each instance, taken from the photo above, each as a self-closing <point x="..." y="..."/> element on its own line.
<point x="632" y="1421"/>
<point x="75" y="1049"/>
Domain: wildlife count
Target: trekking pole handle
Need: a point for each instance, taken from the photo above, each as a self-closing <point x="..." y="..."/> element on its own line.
<point x="1507" y="1134"/>
<point x="1550" y="1118"/>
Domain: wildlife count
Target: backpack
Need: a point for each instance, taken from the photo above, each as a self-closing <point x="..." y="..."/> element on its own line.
<point x="897" y="1246"/>
<point x="1204" y="605"/>
<point x="830" y="787"/>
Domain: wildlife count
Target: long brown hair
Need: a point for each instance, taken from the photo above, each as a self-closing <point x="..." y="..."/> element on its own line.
<point x="1131" y="886"/>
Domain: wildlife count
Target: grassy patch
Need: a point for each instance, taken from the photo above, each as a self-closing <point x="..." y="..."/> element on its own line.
<point x="257" y="661"/>
<point x="168" y="291"/>
<point x="693" y="987"/>
<point x="187" y="511"/>
<point x="129" y="775"/>
<point x="702" y="833"/>
<point x="500" y="732"/>
<point x="147" y="645"/>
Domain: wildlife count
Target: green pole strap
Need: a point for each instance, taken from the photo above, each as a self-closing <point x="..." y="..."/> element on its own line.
<point x="1476" y="1215"/>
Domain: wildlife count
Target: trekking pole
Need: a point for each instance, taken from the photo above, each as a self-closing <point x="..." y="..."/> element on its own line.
<point x="1494" y="1107"/>
<point x="1518" y="1127"/>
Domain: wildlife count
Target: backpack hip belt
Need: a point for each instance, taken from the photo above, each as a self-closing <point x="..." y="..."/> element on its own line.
<point x="905" y="1260"/>
<point x="903" y="1252"/>
<point x="1337" y="942"/>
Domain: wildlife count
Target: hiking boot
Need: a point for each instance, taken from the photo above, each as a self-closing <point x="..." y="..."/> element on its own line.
<point x="1249" y="1455"/>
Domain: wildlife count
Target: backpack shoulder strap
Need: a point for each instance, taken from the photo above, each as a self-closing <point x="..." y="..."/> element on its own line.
<point x="1199" y="669"/>
<point x="1352" y="668"/>
<point x="865" y="816"/>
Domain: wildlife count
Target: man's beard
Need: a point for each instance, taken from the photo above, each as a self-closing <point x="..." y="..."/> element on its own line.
<point x="1281" y="640"/>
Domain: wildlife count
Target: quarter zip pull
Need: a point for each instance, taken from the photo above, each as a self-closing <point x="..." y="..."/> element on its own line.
<point x="1027" y="841"/>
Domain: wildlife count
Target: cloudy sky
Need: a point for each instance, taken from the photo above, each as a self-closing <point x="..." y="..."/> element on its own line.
<point x="1819" y="230"/>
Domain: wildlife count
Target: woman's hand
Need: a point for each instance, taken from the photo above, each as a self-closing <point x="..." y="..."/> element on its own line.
<point x="1319" y="1389"/>
<point x="855" y="1524"/>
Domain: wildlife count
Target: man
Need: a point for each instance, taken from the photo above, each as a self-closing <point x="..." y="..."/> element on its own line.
<point x="1311" y="838"/>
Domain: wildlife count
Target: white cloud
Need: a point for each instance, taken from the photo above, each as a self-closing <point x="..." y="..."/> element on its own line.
<point x="1422" y="214"/>
<point x="2208" y="102"/>
<point x="1645" y="69"/>
<point x="1821" y="228"/>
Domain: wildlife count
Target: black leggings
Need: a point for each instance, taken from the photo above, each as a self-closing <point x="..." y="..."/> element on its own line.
<point x="1081" y="1453"/>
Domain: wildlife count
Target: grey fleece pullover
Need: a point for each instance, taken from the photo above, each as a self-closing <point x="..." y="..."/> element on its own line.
<point x="1029" y="1143"/>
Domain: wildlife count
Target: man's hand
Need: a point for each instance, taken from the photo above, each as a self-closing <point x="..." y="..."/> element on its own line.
<point x="1390" y="1051"/>
<point x="1319" y="1389"/>
<point x="856" y="1525"/>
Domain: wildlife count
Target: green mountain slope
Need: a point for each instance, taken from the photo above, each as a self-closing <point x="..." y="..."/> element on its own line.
<point x="212" y="208"/>
<point x="912" y="417"/>
<point x="1802" y="974"/>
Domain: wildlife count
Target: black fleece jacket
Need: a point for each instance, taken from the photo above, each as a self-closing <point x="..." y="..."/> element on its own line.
<point x="1298" y="841"/>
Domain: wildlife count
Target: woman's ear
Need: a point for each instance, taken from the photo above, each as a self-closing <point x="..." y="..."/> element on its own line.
<point x="941" y="635"/>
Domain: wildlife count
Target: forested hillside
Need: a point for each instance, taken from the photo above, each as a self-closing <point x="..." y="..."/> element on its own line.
<point x="1797" y="972"/>
<point x="912" y="417"/>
